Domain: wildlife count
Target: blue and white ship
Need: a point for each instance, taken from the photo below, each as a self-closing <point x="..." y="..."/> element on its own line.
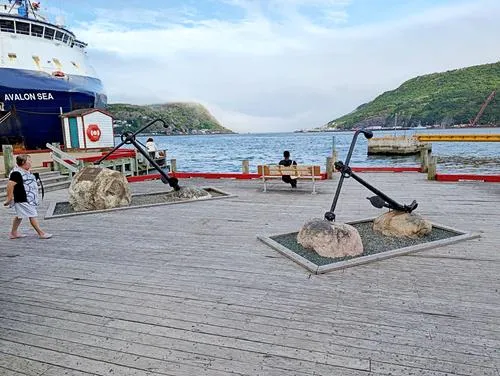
<point x="44" y="71"/>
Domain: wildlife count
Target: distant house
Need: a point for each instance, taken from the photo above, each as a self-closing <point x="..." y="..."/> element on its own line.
<point x="87" y="128"/>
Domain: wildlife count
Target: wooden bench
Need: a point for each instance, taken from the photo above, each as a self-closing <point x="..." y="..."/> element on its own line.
<point x="268" y="172"/>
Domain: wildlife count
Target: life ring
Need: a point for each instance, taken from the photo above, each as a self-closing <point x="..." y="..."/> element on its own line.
<point x="58" y="73"/>
<point x="93" y="132"/>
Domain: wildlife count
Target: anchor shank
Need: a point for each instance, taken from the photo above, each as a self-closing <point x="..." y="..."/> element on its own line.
<point x="153" y="163"/>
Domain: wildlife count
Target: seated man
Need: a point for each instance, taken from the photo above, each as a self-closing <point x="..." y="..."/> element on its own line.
<point x="288" y="162"/>
<point x="152" y="148"/>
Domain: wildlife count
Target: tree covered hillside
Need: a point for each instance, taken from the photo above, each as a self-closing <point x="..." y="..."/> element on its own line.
<point x="452" y="97"/>
<point x="181" y="118"/>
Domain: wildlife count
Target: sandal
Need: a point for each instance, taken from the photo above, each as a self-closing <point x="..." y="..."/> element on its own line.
<point x="45" y="236"/>
<point x="11" y="236"/>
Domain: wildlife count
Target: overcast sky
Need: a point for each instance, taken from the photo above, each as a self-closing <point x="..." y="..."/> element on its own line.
<point x="276" y="65"/>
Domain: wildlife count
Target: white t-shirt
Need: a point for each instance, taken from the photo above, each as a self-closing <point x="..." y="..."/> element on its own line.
<point x="151" y="146"/>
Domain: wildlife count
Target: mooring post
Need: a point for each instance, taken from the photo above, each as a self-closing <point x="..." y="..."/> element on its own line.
<point x="329" y="167"/>
<point x="334" y="153"/>
<point x="431" y="171"/>
<point x="57" y="166"/>
<point x="245" y="166"/>
<point x="425" y="154"/>
<point x="173" y="165"/>
<point x="8" y="158"/>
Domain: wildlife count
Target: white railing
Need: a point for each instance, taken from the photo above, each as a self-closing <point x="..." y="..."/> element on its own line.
<point x="143" y="164"/>
<point x="59" y="158"/>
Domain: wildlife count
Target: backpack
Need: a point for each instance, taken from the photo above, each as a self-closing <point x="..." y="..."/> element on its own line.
<point x="39" y="180"/>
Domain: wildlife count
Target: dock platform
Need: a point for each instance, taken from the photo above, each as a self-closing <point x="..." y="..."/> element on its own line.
<point x="188" y="289"/>
<point x="458" y="137"/>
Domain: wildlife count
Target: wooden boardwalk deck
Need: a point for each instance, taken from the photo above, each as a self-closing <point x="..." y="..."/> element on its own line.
<point x="189" y="290"/>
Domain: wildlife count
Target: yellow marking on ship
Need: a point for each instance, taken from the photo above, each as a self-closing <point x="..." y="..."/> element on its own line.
<point x="458" y="137"/>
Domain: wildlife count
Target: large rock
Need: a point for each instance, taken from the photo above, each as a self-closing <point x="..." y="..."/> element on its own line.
<point x="193" y="193"/>
<point x="330" y="239"/>
<point x="402" y="225"/>
<point x="97" y="188"/>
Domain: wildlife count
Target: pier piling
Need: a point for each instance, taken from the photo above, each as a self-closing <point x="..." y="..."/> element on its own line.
<point x="432" y="167"/>
<point x="329" y="167"/>
<point x="8" y="158"/>
<point x="425" y="155"/>
<point x="245" y="166"/>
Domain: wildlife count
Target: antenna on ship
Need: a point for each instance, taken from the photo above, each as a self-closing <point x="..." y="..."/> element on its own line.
<point x="12" y="6"/>
<point x="34" y="7"/>
<point x="60" y="21"/>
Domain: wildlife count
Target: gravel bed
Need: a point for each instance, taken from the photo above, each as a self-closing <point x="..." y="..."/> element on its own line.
<point x="140" y="200"/>
<point x="373" y="243"/>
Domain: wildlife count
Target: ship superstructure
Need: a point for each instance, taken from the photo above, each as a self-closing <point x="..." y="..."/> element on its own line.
<point x="44" y="71"/>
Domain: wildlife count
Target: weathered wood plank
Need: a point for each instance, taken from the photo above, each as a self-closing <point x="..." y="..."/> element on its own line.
<point x="119" y="286"/>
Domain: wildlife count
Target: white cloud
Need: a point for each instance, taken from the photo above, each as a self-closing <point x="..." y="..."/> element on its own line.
<point x="257" y="74"/>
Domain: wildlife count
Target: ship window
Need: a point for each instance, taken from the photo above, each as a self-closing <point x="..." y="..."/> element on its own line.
<point x="6" y="25"/>
<point x="12" y="56"/>
<point x="36" y="30"/>
<point x="23" y="28"/>
<point x="59" y="35"/>
<point x="75" y="65"/>
<point x="65" y="39"/>
<point x="36" y="59"/>
<point x="49" y="33"/>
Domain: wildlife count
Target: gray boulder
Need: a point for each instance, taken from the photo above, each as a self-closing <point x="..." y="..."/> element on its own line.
<point x="402" y="225"/>
<point x="330" y="239"/>
<point x="98" y="188"/>
<point x="186" y="193"/>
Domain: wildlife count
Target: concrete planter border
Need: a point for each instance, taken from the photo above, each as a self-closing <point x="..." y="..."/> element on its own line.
<point x="52" y="206"/>
<point x="361" y="260"/>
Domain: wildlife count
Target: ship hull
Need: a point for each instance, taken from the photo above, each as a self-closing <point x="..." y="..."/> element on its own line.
<point x="35" y="100"/>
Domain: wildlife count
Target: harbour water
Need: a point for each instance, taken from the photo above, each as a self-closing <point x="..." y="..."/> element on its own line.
<point x="225" y="153"/>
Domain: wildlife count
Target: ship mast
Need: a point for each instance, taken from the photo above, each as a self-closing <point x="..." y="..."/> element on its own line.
<point x="24" y="7"/>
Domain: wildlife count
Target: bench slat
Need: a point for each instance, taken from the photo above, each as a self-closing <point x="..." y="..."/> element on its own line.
<point x="295" y="171"/>
<point x="267" y="172"/>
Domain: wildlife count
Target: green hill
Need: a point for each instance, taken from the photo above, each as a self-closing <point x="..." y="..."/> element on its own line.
<point x="181" y="118"/>
<point x="452" y="97"/>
